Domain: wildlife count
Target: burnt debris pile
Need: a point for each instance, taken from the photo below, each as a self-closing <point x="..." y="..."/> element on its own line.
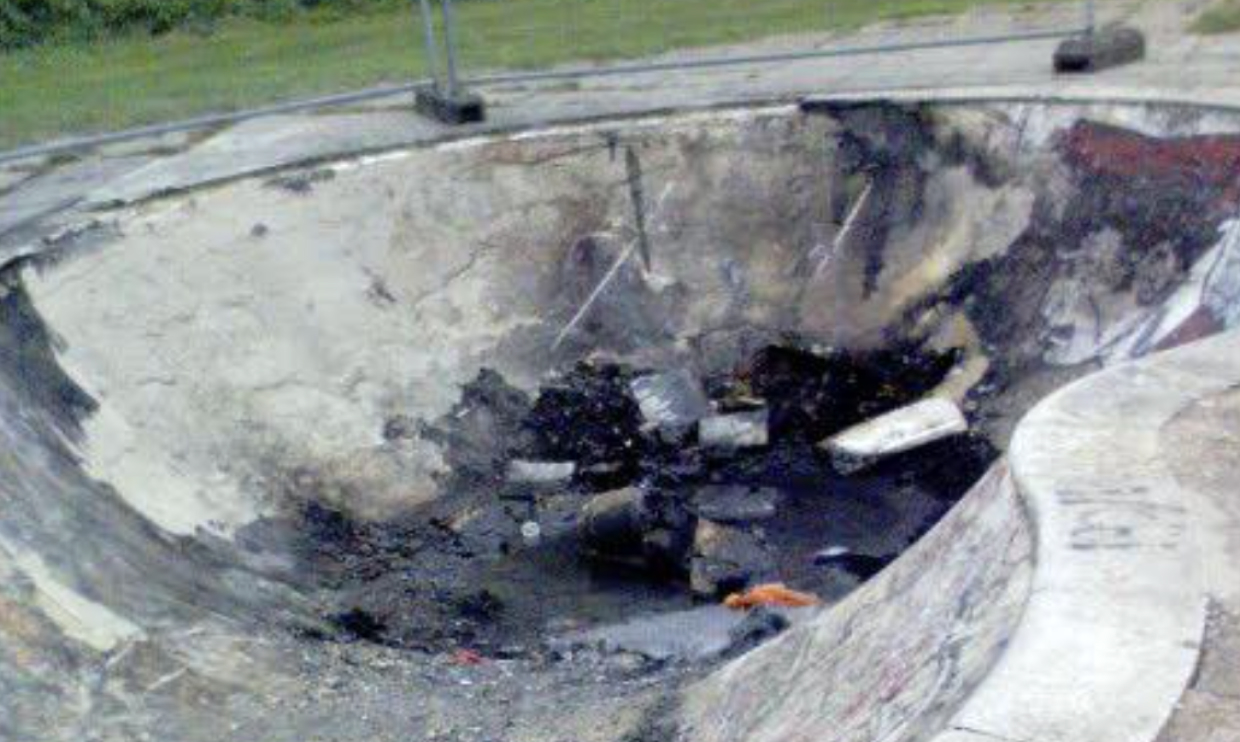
<point x="700" y="482"/>
<point x="616" y="493"/>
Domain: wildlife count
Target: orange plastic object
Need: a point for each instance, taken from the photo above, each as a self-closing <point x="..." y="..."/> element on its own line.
<point x="466" y="657"/>
<point x="772" y="593"/>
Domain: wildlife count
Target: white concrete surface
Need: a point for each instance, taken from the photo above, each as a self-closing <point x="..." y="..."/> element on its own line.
<point x="900" y="430"/>
<point x="1114" y="625"/>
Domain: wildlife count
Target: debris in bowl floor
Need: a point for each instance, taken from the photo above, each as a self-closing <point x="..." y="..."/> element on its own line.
<point x="651" y="513"/>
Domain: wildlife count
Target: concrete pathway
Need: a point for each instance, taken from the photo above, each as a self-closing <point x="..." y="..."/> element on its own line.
<point x="1203" y="444"/>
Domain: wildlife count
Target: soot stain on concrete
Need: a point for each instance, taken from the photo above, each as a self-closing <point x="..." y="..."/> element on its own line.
<point x="28" y="357"/>
<point x="461" y="574"/>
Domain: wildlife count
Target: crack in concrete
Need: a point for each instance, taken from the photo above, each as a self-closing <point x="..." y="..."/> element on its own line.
<point x="988" y="735"/>
<point x="447" y="282"/>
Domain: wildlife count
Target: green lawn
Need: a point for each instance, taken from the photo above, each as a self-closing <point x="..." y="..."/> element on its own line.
<point x="54" y="91"/>
<point x="1223" y="17"/>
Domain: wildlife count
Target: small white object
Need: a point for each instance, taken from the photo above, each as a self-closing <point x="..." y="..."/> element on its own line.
<point x="833" y="552"/>
<point x="540" y="472"/>
<point x="671" y="398"/>
<point x="736" y="430"/>
<point x="897" y="431"/>
<point x="531" y="532"/>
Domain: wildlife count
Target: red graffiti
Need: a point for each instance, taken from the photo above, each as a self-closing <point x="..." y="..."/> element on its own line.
<point x="467" y="657"/>
<point x="1201" y="323"/>
<point x="1208" y="160"/>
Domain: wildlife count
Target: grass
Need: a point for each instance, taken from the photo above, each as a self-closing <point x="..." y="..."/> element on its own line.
<point x="59" y="90"/>
<point x="1221" y="18"/>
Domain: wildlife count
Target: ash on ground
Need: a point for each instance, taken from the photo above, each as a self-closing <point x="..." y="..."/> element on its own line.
<point x="618" y="506"/>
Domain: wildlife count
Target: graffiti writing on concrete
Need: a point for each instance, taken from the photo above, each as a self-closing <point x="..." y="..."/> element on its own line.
<point x="1121" y="518"/>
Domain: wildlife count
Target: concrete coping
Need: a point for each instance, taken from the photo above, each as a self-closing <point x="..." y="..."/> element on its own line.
<point x="1091" y="92"/>
<point x="1113" y="626"/>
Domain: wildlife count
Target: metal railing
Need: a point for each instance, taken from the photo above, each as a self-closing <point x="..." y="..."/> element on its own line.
<point x="465" y="46"/>
<point x="453" y="45"/>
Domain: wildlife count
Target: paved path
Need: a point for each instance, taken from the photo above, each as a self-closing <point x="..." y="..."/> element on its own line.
<point x="1204" y="445"/>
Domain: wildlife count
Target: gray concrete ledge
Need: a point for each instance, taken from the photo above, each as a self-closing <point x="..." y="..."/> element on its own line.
<point x="1113" y="628"/>
<point x="1225" y="99"/>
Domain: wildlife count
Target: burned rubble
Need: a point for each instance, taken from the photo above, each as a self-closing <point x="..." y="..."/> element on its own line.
<point x="616" y="492"/>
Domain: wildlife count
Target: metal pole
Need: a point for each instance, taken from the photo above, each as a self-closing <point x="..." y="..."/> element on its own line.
<point x="449" y="34"/>
<point x="1089" y="17"/>
<point x="432" y="47"/>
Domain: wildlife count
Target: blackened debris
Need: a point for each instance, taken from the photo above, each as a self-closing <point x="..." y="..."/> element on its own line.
<point x="760" y="625"/>
<point x="400" y="427"/>
<point x="587" y="416"/>
<point x="303" y="182"/>
<point x="861" y="566"/>
<point x="485" y="430"/>
<point x="339" y="548"/>
<point x="327" y="525"/>
<point x="811" y="396"/>
<point x="735" y="503"/>
<point x="787" y="463"/>
<point x="482" y="606"/>
<point x="642" y="521"/>
<point x="945" y="468"/>
<point x="359" y="624"/>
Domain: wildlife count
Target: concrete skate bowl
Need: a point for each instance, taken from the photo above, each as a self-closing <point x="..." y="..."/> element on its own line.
<point x="194" y="387"/>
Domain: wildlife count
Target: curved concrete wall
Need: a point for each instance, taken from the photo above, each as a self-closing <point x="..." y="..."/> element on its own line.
<point x="1096" y="629"/>
<point x="895" y="660"/>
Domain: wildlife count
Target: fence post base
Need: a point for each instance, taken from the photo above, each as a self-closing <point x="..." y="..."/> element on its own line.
<point x="1106" y="47"/>
<point x="461" y="107"/>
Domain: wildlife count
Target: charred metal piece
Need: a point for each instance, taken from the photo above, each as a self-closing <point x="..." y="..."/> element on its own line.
<point x="735" y="430"/>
